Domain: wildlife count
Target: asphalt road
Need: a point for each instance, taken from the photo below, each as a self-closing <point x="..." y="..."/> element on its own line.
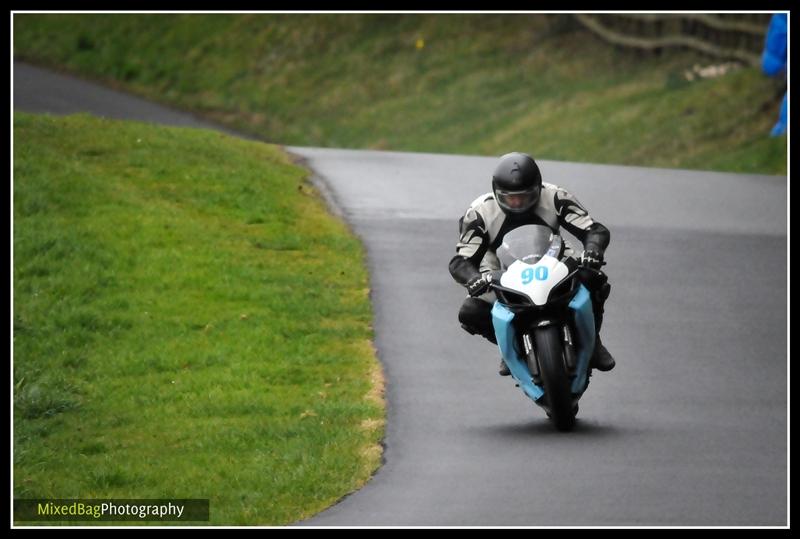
<point x="690" y="429"/>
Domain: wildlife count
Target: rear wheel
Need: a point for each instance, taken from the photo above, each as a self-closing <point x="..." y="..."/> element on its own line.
<point x="554" y="377"/>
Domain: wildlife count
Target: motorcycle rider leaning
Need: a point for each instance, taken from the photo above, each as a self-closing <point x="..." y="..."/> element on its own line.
<point x="519" y="197"/>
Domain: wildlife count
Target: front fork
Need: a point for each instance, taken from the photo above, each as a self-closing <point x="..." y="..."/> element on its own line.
<point x="570" y="358"/>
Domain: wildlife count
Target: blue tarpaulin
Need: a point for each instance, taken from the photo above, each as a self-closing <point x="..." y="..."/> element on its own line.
<point x="773" y="63"/>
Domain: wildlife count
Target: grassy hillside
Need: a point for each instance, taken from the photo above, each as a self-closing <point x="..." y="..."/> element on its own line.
<point x="475" y="84"/>
<point x="189" y="322"/>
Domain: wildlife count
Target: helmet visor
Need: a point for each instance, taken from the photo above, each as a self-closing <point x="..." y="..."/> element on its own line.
<point x="517" y="201"/>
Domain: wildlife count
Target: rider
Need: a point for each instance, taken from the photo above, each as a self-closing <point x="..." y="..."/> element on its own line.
<point x="520" y="198"/>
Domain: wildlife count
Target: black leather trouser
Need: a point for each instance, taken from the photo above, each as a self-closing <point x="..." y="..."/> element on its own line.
<point x="475" y="314"/>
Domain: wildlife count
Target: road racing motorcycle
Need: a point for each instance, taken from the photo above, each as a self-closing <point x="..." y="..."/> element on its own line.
<point x="543" y="320"/>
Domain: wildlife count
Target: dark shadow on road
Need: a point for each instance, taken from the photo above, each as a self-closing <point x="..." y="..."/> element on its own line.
<point x="544" y="428"/>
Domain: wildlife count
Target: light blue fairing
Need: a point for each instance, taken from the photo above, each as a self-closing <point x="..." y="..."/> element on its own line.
<point x="504" y="330"/>
<point x="584" y="324"/>
<point x="505" y="333"/>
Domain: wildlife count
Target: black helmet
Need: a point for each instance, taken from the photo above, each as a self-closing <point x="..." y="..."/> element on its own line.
<point x="516" y="182"/>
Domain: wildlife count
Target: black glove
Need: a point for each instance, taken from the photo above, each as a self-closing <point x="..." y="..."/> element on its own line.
<point x="592" y="259"/>
<point x="479" y="284"/>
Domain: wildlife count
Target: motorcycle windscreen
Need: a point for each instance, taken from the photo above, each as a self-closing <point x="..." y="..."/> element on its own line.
<point x="528" y="244"/>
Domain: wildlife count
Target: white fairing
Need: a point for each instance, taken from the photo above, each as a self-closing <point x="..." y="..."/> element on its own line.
<point x="535" y="281"/>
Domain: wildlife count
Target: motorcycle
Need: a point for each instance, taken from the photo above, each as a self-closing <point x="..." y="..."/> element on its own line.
<point x="543" y="320"/>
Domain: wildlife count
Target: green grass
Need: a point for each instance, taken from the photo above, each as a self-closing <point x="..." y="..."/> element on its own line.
<point x="189" y="322"/>
<point x="480" y="84"/>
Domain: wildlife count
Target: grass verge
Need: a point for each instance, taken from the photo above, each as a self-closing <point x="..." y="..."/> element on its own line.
<point x="454" y="83"/>
<point x="189" y="322"/>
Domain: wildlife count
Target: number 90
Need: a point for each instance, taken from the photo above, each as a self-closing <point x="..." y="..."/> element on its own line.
<point x="529" y="274"/>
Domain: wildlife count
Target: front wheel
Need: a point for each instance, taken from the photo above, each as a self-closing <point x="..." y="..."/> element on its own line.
<point x="553" y="371"/>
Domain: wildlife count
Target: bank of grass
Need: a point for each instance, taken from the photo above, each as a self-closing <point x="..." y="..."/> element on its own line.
<point x="456" y="83"/>
<point x="189" y="322"/>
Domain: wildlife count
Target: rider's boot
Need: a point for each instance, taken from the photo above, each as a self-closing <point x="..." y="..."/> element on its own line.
<point x="504" y="371"/>
<point x="602" y="360"/>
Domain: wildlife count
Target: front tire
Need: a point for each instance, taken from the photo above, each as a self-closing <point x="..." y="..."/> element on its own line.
<point x="556" y="383"/>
